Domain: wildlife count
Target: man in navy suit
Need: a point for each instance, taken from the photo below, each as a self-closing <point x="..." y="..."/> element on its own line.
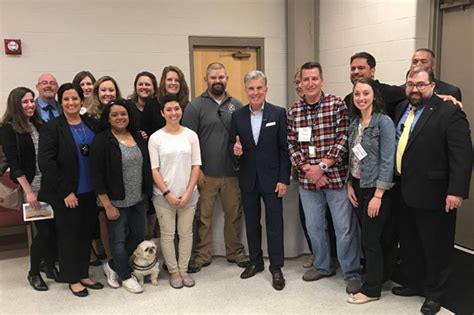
<point x="259" y="141"/>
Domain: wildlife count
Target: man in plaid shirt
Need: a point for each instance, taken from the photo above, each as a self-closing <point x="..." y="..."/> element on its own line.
<point x="317" y="138"/>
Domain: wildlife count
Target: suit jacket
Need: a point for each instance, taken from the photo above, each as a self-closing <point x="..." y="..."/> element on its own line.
<point x="57" y="158"/>
<point x="444" y="88"/>
<point x="269" y="158"/>
<point x="438" y="157"/>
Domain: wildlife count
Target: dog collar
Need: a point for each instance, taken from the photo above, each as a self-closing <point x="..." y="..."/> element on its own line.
<point x="141" y="268"/>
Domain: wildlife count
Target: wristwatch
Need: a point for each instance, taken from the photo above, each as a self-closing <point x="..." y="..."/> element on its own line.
<point x="323" y="166"/>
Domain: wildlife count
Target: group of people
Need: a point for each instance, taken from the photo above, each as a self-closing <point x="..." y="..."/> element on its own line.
<point x="394" y="161"/>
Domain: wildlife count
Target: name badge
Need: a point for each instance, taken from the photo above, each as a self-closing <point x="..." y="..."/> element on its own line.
<point x="359" y="152"/>
<point x="270" y="124"/>
<point x="312" y="151"/>
<point x="304" y="134"/>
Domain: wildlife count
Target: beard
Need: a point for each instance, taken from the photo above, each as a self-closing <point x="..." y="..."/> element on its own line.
<point x="217" y="89"/>
<point x="416" y="99"/>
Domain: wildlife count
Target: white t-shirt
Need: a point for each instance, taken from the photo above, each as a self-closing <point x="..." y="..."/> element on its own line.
<point x="174" y="156"/>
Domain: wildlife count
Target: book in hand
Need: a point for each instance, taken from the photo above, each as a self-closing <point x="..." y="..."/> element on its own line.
<point x="44" y="213"/>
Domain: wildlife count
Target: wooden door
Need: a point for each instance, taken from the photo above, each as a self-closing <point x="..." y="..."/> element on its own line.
<point x="237" y="61"/>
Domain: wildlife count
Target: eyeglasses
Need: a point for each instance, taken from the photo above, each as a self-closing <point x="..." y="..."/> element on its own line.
<point x="48" y="82"/>
<point x="419" y="85"/>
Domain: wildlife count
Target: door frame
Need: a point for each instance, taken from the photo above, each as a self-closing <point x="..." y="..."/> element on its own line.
<point x="225" y="42"/>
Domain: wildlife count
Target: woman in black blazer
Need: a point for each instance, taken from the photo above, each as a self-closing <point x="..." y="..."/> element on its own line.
<point x="64" y="147"/>
<point x="19" y="137"/>
<point x="122" y="180"/>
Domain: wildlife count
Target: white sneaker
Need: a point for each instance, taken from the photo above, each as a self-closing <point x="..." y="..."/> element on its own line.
<point x="132" y="285"/>
<point x="112" y="276"/>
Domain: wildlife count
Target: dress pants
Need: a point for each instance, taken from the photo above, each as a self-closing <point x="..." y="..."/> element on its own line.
<point x="371" y="237"/>
<point x="227" y="187"/>
<point x="426" y="248"/>
<point x="43" y="245"/>
<point x="74" y="230"/>
<point x="251" y="202"/>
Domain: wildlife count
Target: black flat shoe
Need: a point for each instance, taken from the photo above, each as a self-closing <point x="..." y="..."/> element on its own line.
<point x="82" y="293"/>
<point x="52" y="273"/>
<point x="95" y="286"/>
<point x="37" y="282"/>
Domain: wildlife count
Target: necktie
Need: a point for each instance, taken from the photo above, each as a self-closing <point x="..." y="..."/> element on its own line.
<point x="49" y="108"/>
<point x="402" y="142"/>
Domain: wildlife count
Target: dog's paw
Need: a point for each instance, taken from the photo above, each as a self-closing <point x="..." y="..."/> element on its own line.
<point x="154" y="282"/>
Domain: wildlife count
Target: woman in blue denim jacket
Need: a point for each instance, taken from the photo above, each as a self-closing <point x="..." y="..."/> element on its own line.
<point x="371" y="160"/>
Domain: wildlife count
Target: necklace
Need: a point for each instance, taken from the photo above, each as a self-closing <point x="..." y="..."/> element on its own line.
<point x="80" y="131"/>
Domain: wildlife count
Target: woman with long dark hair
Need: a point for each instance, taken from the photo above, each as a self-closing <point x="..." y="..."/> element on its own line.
<point x="19" y="137"/>
<point x="371" y="161"/>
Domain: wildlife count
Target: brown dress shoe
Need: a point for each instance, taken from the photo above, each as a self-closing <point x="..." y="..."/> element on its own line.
<point x="278" y="281"/>
<point x="251" y="271"/>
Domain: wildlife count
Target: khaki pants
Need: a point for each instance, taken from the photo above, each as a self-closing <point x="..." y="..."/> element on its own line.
<point x="227" y="187"/>
<point x="167" y="220"/>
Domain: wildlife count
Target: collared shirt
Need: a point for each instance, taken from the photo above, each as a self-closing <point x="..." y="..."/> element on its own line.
<point x="256" y="122"/>
<point x="42" y="104"/>
<point x="401" y="123"/>
<point x="329" y="125"/>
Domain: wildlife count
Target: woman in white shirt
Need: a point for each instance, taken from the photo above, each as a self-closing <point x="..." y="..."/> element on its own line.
<point x="175" y="162"/>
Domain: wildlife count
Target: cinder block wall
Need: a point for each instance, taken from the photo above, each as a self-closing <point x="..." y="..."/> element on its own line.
<point x="122" y="37"/>
<point x="390" y="30"/>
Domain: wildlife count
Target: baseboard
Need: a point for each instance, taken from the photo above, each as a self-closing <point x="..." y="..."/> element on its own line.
<point x="464" y="249"/>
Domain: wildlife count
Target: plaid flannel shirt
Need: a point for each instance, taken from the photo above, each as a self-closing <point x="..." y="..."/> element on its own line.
<point x="329" y="122"/>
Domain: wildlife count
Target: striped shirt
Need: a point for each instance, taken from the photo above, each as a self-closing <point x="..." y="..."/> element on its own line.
<point x="329" y="123"/>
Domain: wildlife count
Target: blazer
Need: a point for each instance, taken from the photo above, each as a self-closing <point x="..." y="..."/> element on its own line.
<point x="269" y="158"/>
<point x="58" y="158"/>
<point x="444" y="88"/>
<point x="20" y="152"/>
<point x="437" y="160"/>
<point x="106" y="163"/>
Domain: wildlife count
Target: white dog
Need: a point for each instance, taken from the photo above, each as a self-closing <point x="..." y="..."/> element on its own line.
<point x="144" y="262"/>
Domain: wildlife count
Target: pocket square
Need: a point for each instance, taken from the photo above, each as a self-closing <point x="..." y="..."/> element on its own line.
<point x="270" y="124"/>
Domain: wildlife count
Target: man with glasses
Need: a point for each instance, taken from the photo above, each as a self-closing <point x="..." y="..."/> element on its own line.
<point x="47" y="87"/>
<point x="433" y="164"/>
<point x="424" y="57"/>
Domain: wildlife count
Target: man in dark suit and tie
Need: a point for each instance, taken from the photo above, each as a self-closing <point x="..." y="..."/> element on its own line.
<point x="259" y="140"/>
<point x="433" y="164"/>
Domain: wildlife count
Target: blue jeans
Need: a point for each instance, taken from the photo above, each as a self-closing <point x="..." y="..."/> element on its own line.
<point x="345" y="225"/>
<point x="125" y="234"/>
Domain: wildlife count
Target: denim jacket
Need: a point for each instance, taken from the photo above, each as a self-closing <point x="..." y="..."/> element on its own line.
<point x="378" y="142"/>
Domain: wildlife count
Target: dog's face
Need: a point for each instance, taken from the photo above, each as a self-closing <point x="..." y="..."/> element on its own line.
<point x="146" y="250"/>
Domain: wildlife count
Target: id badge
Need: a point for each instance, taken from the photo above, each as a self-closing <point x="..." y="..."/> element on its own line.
<point x="312" y="151"/>
<point x="359" y="152"/>
<point x="304" y="134"/>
